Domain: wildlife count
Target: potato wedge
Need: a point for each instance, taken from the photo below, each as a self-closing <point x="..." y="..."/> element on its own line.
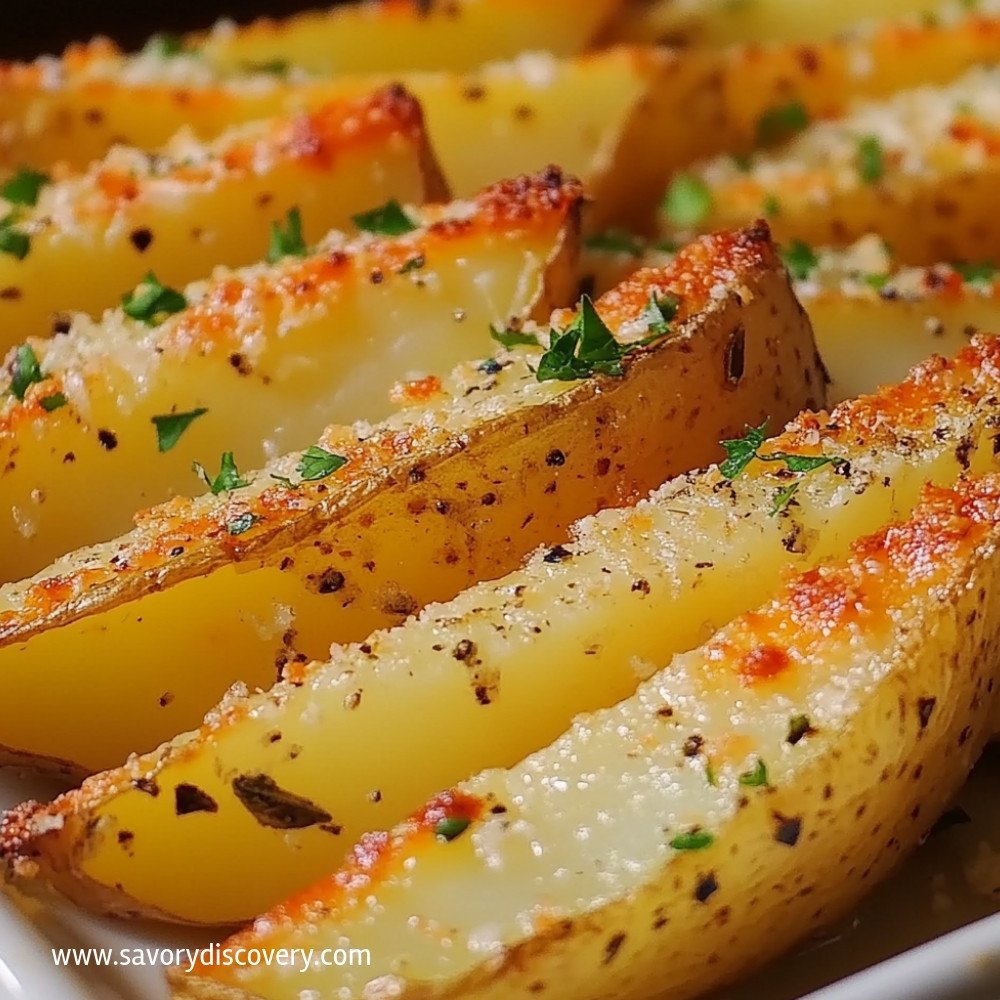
<point x="272" y="354"/>
<point x="456" y="488"/>
<point x="915" y="168"/>
<point x="398" y="35"/>
<point x="838" y="721"/>
<point x="873" y="319"/>
<point x="721" y="22"/>
<point x="91" y="238"/>
<point x="596" y="115"/>
<point x="573" y="442"/>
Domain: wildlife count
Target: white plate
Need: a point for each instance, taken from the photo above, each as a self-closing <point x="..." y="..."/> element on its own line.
<point x="953" y="880"/>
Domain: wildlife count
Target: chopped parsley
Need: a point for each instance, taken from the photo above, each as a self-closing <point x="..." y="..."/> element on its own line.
<point x="800" y="259"/>
<point x="659" y="312"/>
<point x="229" y="477"/>
<point x="798" y="727"/>
<point x="165" y="45"/>
<point x="695" y="840"/>
<point x="151" y="303"/>
<point x="982" y="272"/>
<point x="287" y="242"/>
<point x="756" y="777"/>
<point x="771" y="206"/>
<point x="510" y="337"/>
<point x="742" y="161"/>
<point x="386" y="220"/>
<point x="615" y="241"/>
<point x="871" y="160"/>
<point x="451" y="827"/>
<point x="740" y="452"/>
<point x="276" y="67"/>
<point x="783" y="498"/>
<point x="318" y="463"/>
<point x="667" y="246"/>
<point x="24" y="186"/>
<point x="584" y="348"/>
<point x="54" y="402"/>
<point x="170" y="426"/>
<point x="26" y="371"/>
<point x="12" y="240"/>
<point x="687" y="202"/>
<point x="778" y="124"/>
<point x="876" y="281"/>
<point x="242" y="523"/>
<point x="413" y="264"/>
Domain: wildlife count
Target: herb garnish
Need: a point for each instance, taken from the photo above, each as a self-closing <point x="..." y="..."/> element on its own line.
<point x="695" y="840"/>
<point x="24" y="186"/>
<point x="151" y="303"/>
<point x="976" y="272"/>
<point x="798" y="727"/>
<point x="170" y="426"/>
<point x="510" y="337"/>
<point x="615" y="241"/>
<point x="871" y="161"/>
<point x="688" y="201"/>
<point x="25" y="371"/>
<point x="780" y="123"/>
<point x="242" y="523"/>
<point x="783" y="498"/>
<point x="12" y="240"/>
<point x="276" y="67"/>
<point x="165" y="45"/>
<point x="54" y="402"/>
<point x="756" y="777"/>
<point x="287" y="242"/>
<point x="318" y="463"/>
<point x="386" y="220"/>
<point x="800" y="259"/>
<point x="584" y="348"/>
<point x="771" y="206"/>
<point x="451" y="827"/>
<point x="229" y="477"/>
<point x="659" y="311"/>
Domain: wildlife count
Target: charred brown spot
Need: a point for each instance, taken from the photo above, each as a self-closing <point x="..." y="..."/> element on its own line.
<point x="276" y="807"/>
<point x="147" y="786"/>
<point x="141" y="239"/>
<point x="736" y="357"/>
<point x="108" y="439"/>
<point x="557" y="554"/>
<point x="787" y="829"/>
<point x="192" y="799"/>
<point x="706" y="887"/>
<point x="613" y="947"/>
<point x="925" y="709"/>
<point x="10" y="294"/>
<point x="555" y="457"/>
<point x="330" y="581"/>
<point x="693" y="745"/>
<point x="464" y="650"/>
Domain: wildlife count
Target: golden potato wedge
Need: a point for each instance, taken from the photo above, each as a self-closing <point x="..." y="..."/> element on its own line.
<point x="573" y="442"/>
<point x="721" y="22"/>
<point x="263" y="359"/>
<point x="398" y="35"/>
<point x="91" y="238"/>
<point x="873" y="319"/>
<point x="916" y="168"/>
<point x="596" y="115"/>
<point x="458" y="486"/>
<point x="749" y="793"/>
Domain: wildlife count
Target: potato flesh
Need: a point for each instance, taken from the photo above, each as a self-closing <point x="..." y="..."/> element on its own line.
<point x="302" y="360"/>
<point x="365" y="39"/>
<point x="576" y="882"/>
<point x="346" y="711"/>
<point x="920" y="188"/>
<point x="719" y="22"/>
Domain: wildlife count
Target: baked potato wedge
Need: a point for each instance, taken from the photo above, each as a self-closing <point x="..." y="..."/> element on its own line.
<point x="90" y="238"/>
<point x="916" y="169"/>
<point x="262" y="359"/>
<point x="395" y="36"/>
<point x="873" y="318"/>
<point x="453" y="489"/>
<point x="747" y="794"/>
<point x="428" y="674"/>
<point x="722" y="22"/>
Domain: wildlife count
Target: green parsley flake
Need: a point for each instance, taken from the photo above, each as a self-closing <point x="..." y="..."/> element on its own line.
<point x="170" y="426"/>
<point x="871" y="161"/>
<point x="275" y="67"/>
<point x="151" y="303"/>
<point x="982" y="272"/>
<point x="165" y="45"/>
<point x="783" y="498"/>
<point x="756" y="777"/>
<point x="318" y="463"/>
<point x="229" y="477"/>
<point x="800" y="259"/>
<point x="740" y="452"/>
<point x="586" y="347"/>
<point x="54" y="402"/>
<point x="413" y="264"/>
<point x="687" y="202"/>
<point x="771" y="206"/>
<point x="451" y="827"/>
<point x="510" y="337"/>
<point x="659" y="312"/>
<point x="780" y="123"/>
<point x="695" y="840"/>
<point x="287" y="242"/>
<point x="23" y="188"/>
<point x="26" y="371"/>
<point x="12" y="240"/>
<point x="386" y="220"/>
<point x="876" y="281"/>
<point x="615" y="241"/>
<point x="242" y="523"/>
<point x="798" y="727"/>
